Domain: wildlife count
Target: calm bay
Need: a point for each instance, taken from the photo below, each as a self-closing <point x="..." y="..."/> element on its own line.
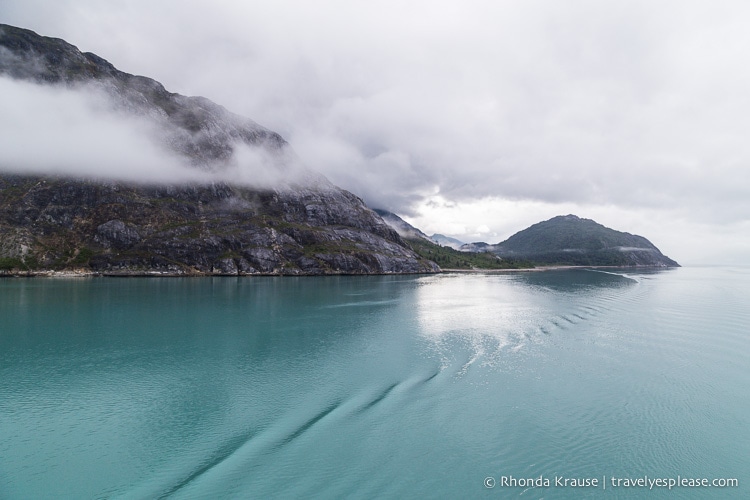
<point x="424" y="386"/>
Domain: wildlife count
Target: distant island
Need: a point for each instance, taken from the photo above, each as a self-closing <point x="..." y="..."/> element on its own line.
<point x="301" y="224"/>
<point x="571" y="240"/>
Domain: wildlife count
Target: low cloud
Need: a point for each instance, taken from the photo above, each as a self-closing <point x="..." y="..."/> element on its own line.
<point x="266" y="169"/>
<point x="55" y="130"/>
<point x="79" y="132"/>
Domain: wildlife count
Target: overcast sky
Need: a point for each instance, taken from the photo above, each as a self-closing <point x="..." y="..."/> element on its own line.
<point x="475" y="118"/>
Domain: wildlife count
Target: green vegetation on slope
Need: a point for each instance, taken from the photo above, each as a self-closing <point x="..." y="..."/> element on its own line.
<point x="570" y="232"/>
<point x="448" y="258"/>
<point x="570" y="240"/>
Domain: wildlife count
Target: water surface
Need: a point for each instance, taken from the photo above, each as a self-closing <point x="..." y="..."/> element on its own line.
<point x="374" y="387"/>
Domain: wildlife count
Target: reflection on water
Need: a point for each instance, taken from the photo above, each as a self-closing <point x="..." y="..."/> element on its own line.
<point x="496" y="312"/>
<point x="577" y="280"/>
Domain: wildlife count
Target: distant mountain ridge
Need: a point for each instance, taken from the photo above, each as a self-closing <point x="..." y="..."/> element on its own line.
<point x="571" y="240"/>
<point x="403" y="228"/>
<point x="445" y="256"/>
<point x="446" y="241"/>
<point x="477" y="246"/>
<point x="563" y="240"/>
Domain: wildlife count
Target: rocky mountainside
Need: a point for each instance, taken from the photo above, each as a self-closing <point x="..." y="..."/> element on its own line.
<point x="571" y="240"/>
<point x="303" y="226"/>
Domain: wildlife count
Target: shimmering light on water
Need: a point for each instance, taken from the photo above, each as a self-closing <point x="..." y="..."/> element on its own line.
<point x="373" y="387"/>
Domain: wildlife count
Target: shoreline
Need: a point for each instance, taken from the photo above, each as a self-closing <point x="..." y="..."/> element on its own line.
<point x="82" y="273"/>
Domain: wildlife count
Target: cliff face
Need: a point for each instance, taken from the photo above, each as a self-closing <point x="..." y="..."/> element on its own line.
<point x="48" y="223"/>
<point x="571" y="240"/>
<point x="303" y="225"/>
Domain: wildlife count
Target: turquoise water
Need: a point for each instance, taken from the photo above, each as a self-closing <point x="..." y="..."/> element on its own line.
<point x="375" y="387"/>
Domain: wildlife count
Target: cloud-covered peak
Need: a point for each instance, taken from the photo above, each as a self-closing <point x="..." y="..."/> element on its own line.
<point x="72" y="113"/>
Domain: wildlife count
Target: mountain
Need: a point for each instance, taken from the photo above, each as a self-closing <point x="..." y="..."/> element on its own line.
<point x="477" y="246"/>
<point x="445" y="256"/>
<point x="446" y="241"/>
<point x="403" y="228"/>
<point x="571" y="240"/>
<point x="299" y="224"/>
<point x="202" y="132"/>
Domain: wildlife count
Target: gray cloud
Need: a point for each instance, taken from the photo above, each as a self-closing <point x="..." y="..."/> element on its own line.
<point x="55" y="130"/>
<point x="83" y="131"/>
<point x="639" y="105"/>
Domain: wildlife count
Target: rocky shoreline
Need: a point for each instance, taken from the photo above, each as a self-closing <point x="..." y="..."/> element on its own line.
<point x="85" y="273"/>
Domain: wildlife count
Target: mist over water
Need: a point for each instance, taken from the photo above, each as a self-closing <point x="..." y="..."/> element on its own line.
<point x="373" y="387"/>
